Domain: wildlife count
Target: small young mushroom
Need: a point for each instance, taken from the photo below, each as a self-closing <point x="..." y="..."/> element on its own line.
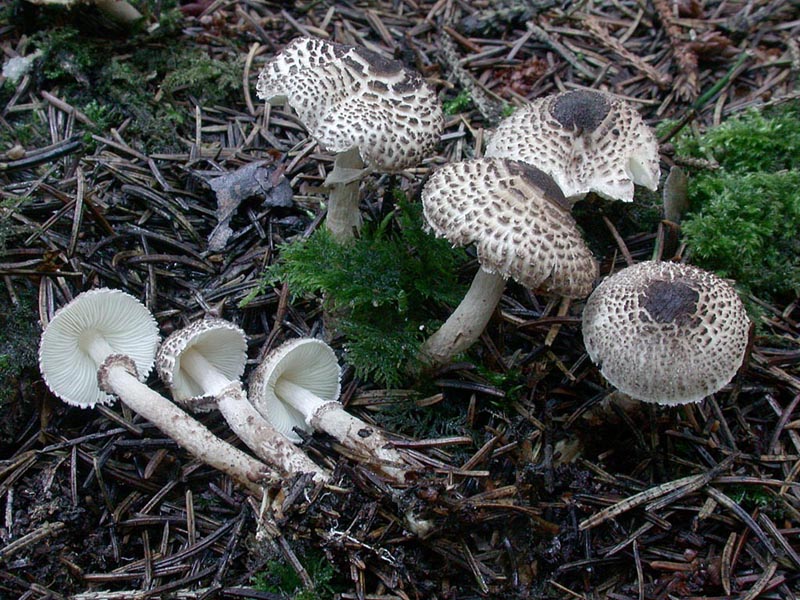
<point x="367" y="109"/>
<point x="104" y="342"/>
<point x="297" y="385"/>
<point x="202" y="365"/>
<point x="588" y="141"/>
<point x="516" y="217"/>
<point x="666" y="332"/>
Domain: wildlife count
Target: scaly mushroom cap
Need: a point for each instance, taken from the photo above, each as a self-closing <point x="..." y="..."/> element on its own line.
<point x="348" y="96"/>
<point x="306" y="362"/>
<point x="588" y="141"/>
<point x="220" y="342"/>
<point x="124" y="323"/>
<point x="515" y="216"/>
<point x="666" y="332"/>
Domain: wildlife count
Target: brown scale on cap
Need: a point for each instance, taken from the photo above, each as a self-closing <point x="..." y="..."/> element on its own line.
<point x="588" y="141"/>
<point x="581" y="110"/>
<point x="348" y="97"/>
<point x="514" y="215"/>
<point x="665" y="332"/>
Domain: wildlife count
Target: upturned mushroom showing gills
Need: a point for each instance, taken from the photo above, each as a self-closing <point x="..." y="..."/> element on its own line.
<point x="297" y="386"/>
<point x="202" y="365"/>
<point x="588" y="141"/>
<point x="516" y="217"/>
<point x="372" y="112"/>
<point x="665" y="332"/>
<point x="103" y="343"/>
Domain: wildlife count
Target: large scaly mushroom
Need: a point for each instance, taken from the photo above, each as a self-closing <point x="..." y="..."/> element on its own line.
<point x="521" y="227"/>
<point x="587" y="141"/>
<point x="373" y="113"/>
<point x="666" y="332"/>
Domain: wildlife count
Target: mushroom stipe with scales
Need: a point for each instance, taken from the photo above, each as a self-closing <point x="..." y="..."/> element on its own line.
<point x="202" y="365"/>
<point x="372" y="112"/>
<point x="518" y="220"/>
<point x="103" y="344"/>
<point x="666" y="332"/>
<point x="297" y="386"/>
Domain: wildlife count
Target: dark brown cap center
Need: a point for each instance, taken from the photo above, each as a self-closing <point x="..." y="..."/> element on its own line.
<point x="669" y="302"/>
<point x="581" y="110"/>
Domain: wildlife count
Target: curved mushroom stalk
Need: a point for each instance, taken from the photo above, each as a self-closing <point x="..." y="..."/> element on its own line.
<point x="469" y="319"/>
<point x="297" y="386"/>
<point x="202" y="364"/>
<point x="104" y="342"/>
<point x="517" y="218"/>
<point x="354" y="102"/>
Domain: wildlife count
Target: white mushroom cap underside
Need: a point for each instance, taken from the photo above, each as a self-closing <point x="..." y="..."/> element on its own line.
<point x="348" y="96"/>
<point x="306" y="362"/>
<point x="125" y="324"/>
<point x="665" y="332"/>
<point x="220" y="342"/>
<point x="588" y="141"/>
<point x="513" y="214"/>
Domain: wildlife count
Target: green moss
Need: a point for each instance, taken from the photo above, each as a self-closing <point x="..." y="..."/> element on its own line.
<point x="384" y="287"/>
<point x="19" y="336"/>
<point x="280" y="578"/>
<point x="153" y="79"/>
<point x="745" y="215"/>
<point x="458" y="104"/>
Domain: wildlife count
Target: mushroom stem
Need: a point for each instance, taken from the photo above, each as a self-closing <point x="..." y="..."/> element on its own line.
<point x="206" y="375"/>
<point x="330" y="417"/>
<point x="344" y="219"/>
<point x="118" y="11"/>
<point x="189" y="434"/>
<point x="96" y="346"/>
<point x="261" y="437"/>
<point x="468" y="320"/>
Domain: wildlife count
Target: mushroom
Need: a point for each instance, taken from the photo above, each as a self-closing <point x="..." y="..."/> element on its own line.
<point x="104" y="342"/>
<point x="516" y="217"/>
<point x="297" y="386"/>
<point x="202" y="365"/>
<point x="588" y="141"/>
<point x="370" y="111"/>
<point x="665" y="332"/>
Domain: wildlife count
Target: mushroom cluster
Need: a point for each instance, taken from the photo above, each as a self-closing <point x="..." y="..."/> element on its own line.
<point x="372" y="112"/>
<point x="103" y="344"/>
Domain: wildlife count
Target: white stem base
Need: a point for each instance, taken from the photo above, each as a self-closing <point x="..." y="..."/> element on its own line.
<point x="469" y="319"/>
<point x="261" y="437"/>
<point x="188" y="433"/>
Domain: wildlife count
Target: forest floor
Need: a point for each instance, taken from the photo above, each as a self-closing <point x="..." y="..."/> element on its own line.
<point x="537" y="481"/>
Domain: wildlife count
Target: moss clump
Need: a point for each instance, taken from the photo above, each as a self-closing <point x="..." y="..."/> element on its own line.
<point x="746" y="214"/>
<point x="147" y="77"/>
<point x="280" y="578"/>
<point x="19" y="335"/>
<point x="385" y="286"/>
